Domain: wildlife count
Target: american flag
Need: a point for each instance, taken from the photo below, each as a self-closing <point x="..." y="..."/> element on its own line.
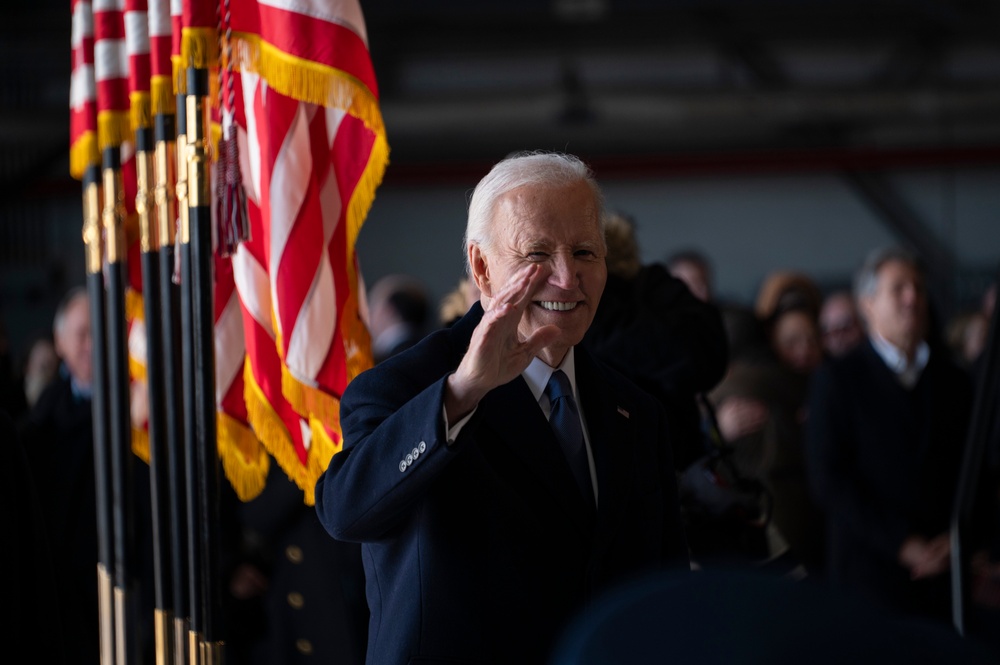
<point x="313" y="151"/>
<point x="83" y="93"/>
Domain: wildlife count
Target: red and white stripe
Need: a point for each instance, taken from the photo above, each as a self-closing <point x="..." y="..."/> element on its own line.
<point x="83" y="92"/>
<point x="137" y="50"/>
<point x="111" y="72"/>
<point x="302" y="163"/>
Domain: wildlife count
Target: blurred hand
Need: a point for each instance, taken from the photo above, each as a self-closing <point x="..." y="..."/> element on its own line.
<point x="740" y="416"/>
<point x="926" y="558"/>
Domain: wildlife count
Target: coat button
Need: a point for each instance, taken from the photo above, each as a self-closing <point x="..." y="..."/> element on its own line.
<point x="422" y="446"/>
<point x="296" y="600"/>
<point x="294" y="553"/>
<point x="304" y="646"/>
<point x="402" y="465"/>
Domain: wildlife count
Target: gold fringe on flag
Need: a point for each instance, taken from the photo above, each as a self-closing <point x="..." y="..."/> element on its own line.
<point x="321" y="449"/>
<point x="134" y="306"/>
<point x="310" y="401"/>
<point x="244" y="460"/>
<point x="140" y="443"/>
<point x="364" y="194"/>
<point x="358" y="341"/>
<point x="271" y="431"/>
<point x="305" y="80"/>
<point x="83" y="154"/>
<point x="199" y="48"/>
<point x="140" y="110"/>
<point x="113" y="128"/>
<point x="162" y="97"/>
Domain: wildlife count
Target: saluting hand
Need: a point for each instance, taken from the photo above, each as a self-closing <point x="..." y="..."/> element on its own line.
<point x="497" y="352"/>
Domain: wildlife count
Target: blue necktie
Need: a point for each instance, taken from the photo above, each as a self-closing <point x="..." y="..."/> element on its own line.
<point x="565" y="421"/>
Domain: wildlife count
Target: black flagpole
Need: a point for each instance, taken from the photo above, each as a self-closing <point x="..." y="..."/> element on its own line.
<point x="202" y="292"/>
<point x="189" y="379"/>
<point x="92" y="238"/>
<point x="122" y="476"/>
<point x="152" y="308"/>
<point x="165" y="133"/>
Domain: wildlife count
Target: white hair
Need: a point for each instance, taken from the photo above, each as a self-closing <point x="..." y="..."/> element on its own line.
<point x="517" y="170"/>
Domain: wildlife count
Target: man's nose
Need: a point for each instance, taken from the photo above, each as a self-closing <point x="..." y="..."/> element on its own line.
<point x="910" y="293"/>
<point x="564" y="273"/>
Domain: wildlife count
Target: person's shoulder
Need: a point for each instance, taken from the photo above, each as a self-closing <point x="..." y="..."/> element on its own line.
<point x="655" y="280"/>
<point x="618" y="383"/>
<point x="851" y="369"/>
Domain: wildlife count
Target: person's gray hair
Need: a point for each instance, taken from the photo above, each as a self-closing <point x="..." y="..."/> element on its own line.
<point x="59" y="320"/>
<point x="517" y="170"/>
<point x="866" y="278"/>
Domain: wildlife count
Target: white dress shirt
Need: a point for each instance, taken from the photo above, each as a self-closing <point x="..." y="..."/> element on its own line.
<point x="907" y="372"/>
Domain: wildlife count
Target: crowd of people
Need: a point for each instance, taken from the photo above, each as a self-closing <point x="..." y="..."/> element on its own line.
<point x="576" y="420"/>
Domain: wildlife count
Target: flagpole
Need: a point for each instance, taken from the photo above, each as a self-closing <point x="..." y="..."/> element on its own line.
<point x="199" y="207"/>
<point x="155" y="371"/>
<point x="139" y="86"/>
<point x="102" y="459"/>
<point x="185" y="498"/>
<point x="85" y="164"/>
<point x="123" y="481"/>
<point x="164" y="133"/>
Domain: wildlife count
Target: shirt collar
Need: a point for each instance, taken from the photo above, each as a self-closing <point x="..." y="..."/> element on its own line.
<point x="896" y="360"/>
<point x="537" y="374"/>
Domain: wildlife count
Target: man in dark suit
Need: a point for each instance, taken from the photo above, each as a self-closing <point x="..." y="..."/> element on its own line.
<point x="58" y="439"/>
<point x="478" y="544"/>
<point x="885" y="438"/>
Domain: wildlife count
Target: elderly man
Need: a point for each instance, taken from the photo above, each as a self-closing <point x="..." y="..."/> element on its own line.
<point x="482" y="536"/>
<point x="885" y="438"/>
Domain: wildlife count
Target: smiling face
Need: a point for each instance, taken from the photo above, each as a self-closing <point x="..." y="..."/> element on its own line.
<point x="559" y="228"/>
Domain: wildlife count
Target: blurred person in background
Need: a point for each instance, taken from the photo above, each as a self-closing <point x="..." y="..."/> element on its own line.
<point x="58" y="437"/>
<point x="651" y="328"/>
<point x="59" y="440"/>
<point x="457" y="302"/>
<point x="885" y="441"/>
<point x="840" y="323"/>
<point x="693" y="267"/>
<point x="761" y="413"/>
<point x="398" y="311"/>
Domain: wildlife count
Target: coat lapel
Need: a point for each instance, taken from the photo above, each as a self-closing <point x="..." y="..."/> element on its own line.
<point x="611" y="434"/>
<point x="513" y="419"/>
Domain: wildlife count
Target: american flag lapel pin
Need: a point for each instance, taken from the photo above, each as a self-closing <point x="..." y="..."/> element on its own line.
<point x="623" y="411"/>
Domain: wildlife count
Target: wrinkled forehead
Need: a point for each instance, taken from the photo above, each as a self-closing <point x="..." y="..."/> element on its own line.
<point x="536" y="213"/>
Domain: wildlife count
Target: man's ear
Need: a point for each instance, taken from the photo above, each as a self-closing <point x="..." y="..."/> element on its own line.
<point x="480" y="270"/>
